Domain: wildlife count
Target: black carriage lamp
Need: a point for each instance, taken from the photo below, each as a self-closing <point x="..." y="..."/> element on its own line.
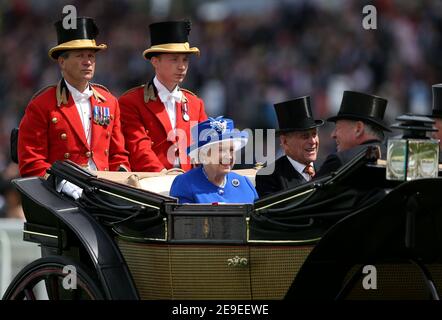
<point x="414" y="155"/>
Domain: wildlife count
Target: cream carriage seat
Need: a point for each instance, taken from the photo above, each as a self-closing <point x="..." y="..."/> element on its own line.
<point x="155" y="181"/>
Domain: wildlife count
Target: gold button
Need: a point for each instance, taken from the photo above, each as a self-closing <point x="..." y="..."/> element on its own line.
<point x="54" y="120"/>
<point x="67" y="155"/>
<point x="147" y="131"/>
<point x="88" y="154"/>
<point x="106" y="152"/>
<point x="63" y="136"/>
<point x="106" y="169"/>
<point x="107" y="134"/>
<point x="112" y="117"/>
<point x="152" y="143"/>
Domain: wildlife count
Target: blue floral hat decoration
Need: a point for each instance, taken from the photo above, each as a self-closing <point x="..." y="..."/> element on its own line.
<point x="213" y="131"/>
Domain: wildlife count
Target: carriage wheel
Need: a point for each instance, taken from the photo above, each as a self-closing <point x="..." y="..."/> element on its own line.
<point x="45" y="279"/>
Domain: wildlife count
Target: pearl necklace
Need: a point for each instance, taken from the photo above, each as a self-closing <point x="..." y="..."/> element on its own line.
<point x="207" y="177"/>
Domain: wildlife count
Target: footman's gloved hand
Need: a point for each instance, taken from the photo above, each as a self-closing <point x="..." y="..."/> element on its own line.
<point x="69" y="189"/>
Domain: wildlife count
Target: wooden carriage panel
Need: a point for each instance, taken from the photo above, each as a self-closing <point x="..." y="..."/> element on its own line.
<point x="396" y="282"/>
<point x="273" y="269"/>
<point x="150" y="268"/>
<point x="210" y="272"/>
<point x="215" y="271"/>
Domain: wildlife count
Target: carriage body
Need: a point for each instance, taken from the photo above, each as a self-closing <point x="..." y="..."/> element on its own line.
<point x="131" y="243"/>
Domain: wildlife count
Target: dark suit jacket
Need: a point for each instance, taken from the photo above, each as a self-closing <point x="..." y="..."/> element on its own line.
<point x="335" y="160"/>
<point x="283" y="177"/>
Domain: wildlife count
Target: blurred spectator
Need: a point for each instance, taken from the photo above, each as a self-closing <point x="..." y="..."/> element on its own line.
<point x="10" y="202"/>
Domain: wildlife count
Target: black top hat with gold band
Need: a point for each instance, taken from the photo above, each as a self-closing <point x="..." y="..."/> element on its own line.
<point x="436" y="112"/>
<point x="296" y="115"/>
<point x="364" y="107"/>
<point x="82" y="37"/>
<point x="169" y="37"/>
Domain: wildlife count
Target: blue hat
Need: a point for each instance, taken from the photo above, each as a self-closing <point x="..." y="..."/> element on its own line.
<point x="213" y="131"/>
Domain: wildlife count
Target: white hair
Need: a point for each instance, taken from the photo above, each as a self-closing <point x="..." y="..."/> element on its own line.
<point x="374" y="131"/>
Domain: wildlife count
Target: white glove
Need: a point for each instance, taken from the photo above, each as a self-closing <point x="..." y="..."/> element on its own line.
<point x="69" y="189"/>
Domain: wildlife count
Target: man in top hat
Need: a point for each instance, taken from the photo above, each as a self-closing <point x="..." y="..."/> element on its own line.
<point x="157" y="116"/>
<point x="436" y="112"/>
<point x="298" y="135"/>
<point x="359" y="124"/>
<point x="74" y="119"/>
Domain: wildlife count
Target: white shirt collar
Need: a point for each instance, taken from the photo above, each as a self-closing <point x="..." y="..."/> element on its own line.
<point x="77" y="95"/>
<point x="300" y="167"/>
<point x="164" y="93"/>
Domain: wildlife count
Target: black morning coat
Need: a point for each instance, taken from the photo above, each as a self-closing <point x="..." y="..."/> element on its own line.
<point x="283" y="177"/>
<point x="335" y="160"/>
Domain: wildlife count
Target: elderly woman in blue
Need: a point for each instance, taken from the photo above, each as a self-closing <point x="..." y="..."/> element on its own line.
<point x="215" y="144"/>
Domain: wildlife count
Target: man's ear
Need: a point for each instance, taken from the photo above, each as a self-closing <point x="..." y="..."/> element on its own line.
<point x="60" y="62"/>
<point x="282" y="139"/>
<point x="359" y="128"/>
<point x="154" y="60"/>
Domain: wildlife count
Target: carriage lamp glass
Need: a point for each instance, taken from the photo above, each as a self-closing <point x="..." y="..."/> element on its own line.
<point x="410" y="159"/>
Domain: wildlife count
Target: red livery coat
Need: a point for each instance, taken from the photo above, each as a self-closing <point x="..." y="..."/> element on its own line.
<point x="150" y="140"/>
<point x="51" y="130"/>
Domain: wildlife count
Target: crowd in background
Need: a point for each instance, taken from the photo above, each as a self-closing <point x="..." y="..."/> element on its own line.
<point x="254" y="53"/>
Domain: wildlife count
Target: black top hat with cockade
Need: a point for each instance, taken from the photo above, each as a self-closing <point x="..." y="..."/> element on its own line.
<point x="169" y="37"/>
<point x="81" y="37"/>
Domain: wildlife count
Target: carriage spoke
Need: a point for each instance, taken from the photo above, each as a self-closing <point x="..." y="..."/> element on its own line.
<point x="29" y="294"/>
<point x="53" y="289"/>
<point x="76" y="294"/>
<point x="43" y="279"/>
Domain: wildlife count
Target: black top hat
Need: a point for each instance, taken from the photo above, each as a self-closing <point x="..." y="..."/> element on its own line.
<point x="82" y="37"/>
<point x="364" y="107"/>
<point x="169" y="37"/>
<point x="296" y="115"/>
<point x="436" y="112"/>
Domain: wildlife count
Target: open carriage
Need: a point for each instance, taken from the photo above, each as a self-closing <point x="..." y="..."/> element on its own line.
<point x="313" y="241"/>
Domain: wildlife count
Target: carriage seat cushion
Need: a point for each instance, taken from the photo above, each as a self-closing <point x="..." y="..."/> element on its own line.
<point x="155" y="181"/>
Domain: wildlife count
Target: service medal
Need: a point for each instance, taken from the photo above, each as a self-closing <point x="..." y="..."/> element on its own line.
<point x="97" y="114"/>
<point x="184" y="112"/>
<point x="106" y="117"/>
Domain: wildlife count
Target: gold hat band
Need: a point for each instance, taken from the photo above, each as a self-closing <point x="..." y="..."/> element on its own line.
<point x="77" y="44"/>
<point x="172" y="48"/>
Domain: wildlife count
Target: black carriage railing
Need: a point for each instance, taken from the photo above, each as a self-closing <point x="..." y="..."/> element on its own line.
<point x="312" y="208"/>
<point x="122" y="207"/>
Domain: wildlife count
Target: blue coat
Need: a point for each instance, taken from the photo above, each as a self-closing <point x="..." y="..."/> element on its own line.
<point x="193" y="187"/>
